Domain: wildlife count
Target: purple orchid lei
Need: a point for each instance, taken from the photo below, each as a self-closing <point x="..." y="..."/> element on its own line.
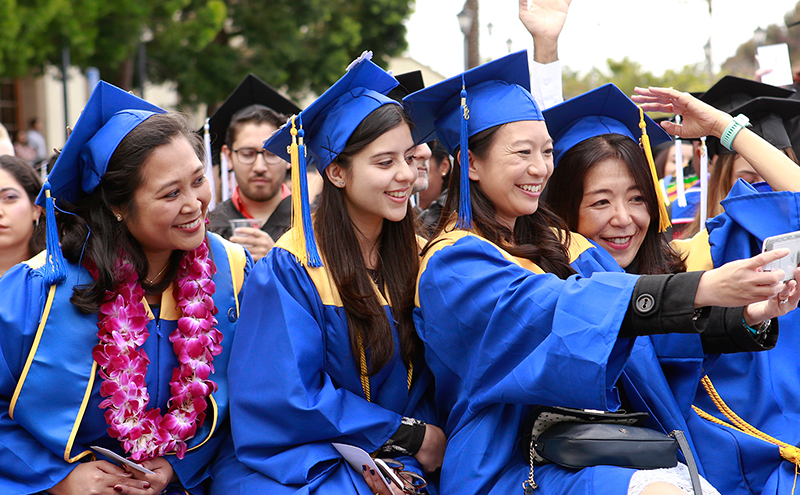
<point x="146" y="434"/>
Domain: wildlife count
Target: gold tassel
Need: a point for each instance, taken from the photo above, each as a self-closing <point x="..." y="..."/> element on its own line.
<point x="297" y="207"/>
<point x="663" y="217"/>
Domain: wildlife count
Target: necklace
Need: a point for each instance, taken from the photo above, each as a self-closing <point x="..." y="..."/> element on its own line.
<point x="145" y="433"/>
<point x="152" y="281"/>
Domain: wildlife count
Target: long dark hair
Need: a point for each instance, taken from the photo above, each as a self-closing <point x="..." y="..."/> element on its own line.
<point x="26" y="176"/>
<point x="541" y="237"/>
<point x="93" y="213"/>
<point x="398" y="258"/>
<point x="566" y="187"/>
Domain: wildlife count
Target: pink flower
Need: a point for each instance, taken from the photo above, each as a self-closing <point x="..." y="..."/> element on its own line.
<point x="122" y="330"/>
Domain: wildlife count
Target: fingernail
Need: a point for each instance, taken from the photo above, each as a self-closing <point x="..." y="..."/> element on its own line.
<point x="117" y="488"/>
<point x="146" y="485"/>
<point x="388" y="481"/>
<point x="364" y="467"/>
<point x="372" y="472"/>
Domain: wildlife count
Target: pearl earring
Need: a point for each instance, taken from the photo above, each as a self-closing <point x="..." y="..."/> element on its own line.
<point x="119" y="217"/>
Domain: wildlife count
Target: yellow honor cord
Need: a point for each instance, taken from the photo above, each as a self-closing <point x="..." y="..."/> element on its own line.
<point x="364" y="371"/>
<point x="787" y="451"/>
<point x="297" y="206"/>
<point x="663" y="217"/>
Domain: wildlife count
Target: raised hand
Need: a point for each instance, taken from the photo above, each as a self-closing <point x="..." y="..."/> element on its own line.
<point x="698" y="118"/>
<point x="544" y="19"/>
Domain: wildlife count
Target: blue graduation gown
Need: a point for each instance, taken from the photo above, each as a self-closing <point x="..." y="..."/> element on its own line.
<point x="501" y="336"/>
<point x="296" y="387"/>
<point x="761" y="387"/>
<point x="50" y="389"/>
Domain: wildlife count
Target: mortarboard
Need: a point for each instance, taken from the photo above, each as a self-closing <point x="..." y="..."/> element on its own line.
<point x="251" y="91"/>
<point x="767" y="115"/>
<point x="409" y="82"/>
<point x="731" y="92"/>
<point x="455" y="109"/>
<point x="323" y="130"/>
<point x="109" y="115"/>
<point x="606" y="110"/>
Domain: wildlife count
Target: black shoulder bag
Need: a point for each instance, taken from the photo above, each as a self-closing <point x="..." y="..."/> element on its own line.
<point x="579" y="438"/>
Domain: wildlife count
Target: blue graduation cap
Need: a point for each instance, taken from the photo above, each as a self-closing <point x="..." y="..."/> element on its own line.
<point x="606" y="110"/>
<point x="109" y="115"/>
<point x="323" y="130"/>
<point x="455" y="109"/>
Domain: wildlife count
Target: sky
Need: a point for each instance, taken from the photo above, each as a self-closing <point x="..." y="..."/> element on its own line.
<point x="659" y="34"/>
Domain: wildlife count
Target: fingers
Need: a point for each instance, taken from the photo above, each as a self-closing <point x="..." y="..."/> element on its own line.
<point x="374" y="481"/>
<point x="110" y="468"/>
<point x="762" y="259"/>
<point x="133" y="487"/>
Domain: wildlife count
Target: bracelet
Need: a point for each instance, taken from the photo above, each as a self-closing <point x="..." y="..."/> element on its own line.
<point x="761" y="330"/>
<point x="737" y="124"/>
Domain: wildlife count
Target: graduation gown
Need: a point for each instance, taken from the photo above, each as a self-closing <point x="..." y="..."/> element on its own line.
<point x="763" y="388"/>
<point x="50" y="387"/>
<point x="297" y="387"/>
<point x="507" y="336"/>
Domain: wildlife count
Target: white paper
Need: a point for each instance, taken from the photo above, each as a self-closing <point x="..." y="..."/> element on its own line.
<point x="357" y="458"/>
<point x="775" y="57"/>
<point x="113" y="455"/>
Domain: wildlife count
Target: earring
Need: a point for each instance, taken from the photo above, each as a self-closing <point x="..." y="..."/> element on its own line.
<point x="119" y="217"/>
<point x="36" y="223"/>
<point x="341" y="183"/>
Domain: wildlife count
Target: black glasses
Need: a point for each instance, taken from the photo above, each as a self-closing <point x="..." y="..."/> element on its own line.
<point x="247" y="156"/>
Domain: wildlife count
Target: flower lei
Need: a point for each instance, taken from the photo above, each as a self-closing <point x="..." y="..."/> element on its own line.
<point x="144" y="433"/>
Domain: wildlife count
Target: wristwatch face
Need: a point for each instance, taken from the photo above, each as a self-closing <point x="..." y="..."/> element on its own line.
<point x="742" y="120"/>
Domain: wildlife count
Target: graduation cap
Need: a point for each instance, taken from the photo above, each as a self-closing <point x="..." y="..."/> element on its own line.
<point x="323" y="129"/>
<point x="731" y="92"/>
<point x="767" y="115"/>
<point x="109" y="116"/>
<point x="606" y="110"/>
<point x="409" y="82"/>
<point x="455" y="109"/>
<point x="251" y="91"/>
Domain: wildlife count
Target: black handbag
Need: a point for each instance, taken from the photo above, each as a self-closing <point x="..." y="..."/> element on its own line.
<point x="579" y="438"/>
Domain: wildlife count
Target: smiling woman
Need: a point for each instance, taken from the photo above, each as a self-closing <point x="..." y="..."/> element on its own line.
<point x="117" y="319"/>
<point x="341" y="361"/>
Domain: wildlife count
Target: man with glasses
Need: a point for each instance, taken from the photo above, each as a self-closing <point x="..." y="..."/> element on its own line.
<point x="260" y="193"/>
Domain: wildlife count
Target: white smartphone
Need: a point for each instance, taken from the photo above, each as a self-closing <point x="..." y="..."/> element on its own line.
<point x="790" y="241"/>
<point x="113" y="455"/>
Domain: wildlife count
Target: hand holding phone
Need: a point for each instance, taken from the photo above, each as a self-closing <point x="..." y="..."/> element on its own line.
<point x="788" y="264"/>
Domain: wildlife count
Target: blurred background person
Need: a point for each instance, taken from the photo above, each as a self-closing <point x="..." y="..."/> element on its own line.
<point x="22" y="149"/>
<point x="6" y="146"/>
<point x="21" y="235"/>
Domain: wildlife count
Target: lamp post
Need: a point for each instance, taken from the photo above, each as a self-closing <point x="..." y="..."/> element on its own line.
<point x="759" y="36"/>
<point x="465" y="20"/>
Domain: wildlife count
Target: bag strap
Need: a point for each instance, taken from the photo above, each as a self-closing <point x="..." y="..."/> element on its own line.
<point x="690" y="462"/>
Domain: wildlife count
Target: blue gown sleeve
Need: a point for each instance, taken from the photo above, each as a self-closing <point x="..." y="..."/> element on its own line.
<point x="25" y="466"/>
<point x="510" y="336"/>
<point x="286" y="409"/>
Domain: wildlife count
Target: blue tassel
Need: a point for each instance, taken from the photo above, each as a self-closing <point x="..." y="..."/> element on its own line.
<point x="464" y="202"/>
<point x="312" y="252"/>
<point x="54" y="270"/>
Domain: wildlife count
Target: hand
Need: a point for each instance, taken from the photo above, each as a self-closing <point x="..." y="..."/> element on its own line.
<point x="779" y="305"/>
<point x="148" y="484"/>
<point x="256" y="241"/>
<point x="741" y="282"/>
<point x="544" y="19"/>
<point x="376" y="486"/>
<point x="96" y="477"/>
<point x="698" y="118"/>
<point x="431" y="454"/>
